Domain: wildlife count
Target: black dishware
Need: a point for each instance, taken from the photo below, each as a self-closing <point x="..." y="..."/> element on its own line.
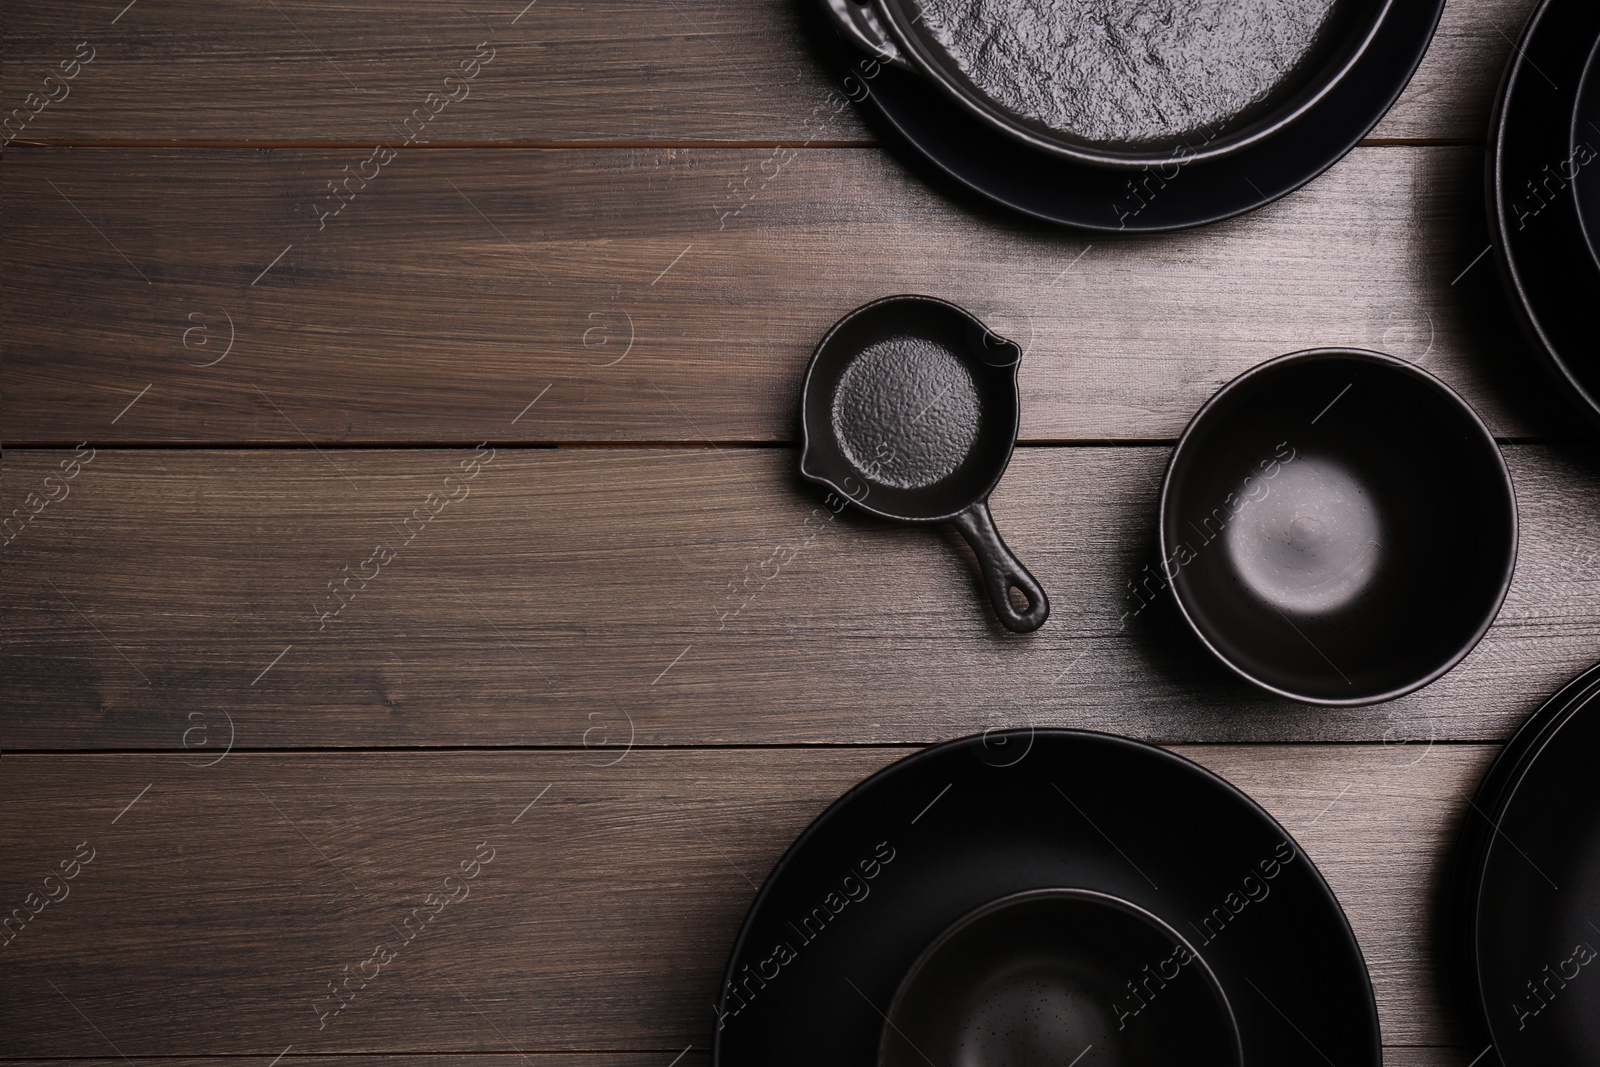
<point x="1177" y="192"/>
<point x="1543" y="152"/>
<point x="1038" y="977"/>
<point x="910" y="411"/>
<point x="1534" y="928"/>
<point x="1112" y="84"/>
<point x="1478" y="829"/>
<point x="1338" y="526"/>
<point x="1586" y="132"/>
<point x="885" y="870"/>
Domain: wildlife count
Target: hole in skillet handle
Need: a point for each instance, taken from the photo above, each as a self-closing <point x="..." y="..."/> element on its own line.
<point x="1006" y="579"/>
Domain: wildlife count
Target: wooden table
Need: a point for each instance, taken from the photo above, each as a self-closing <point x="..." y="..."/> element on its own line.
<point x="376" y="509"/>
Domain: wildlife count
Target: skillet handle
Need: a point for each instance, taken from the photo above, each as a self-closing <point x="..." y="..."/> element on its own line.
<point x="1002" y="571"/>
<point x="859" y="23"/>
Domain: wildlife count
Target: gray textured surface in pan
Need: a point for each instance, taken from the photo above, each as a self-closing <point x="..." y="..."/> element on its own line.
<point x="1145" y="74"/>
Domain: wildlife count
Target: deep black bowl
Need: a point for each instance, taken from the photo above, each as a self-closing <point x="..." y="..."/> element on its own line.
<point x="1047" y="975"/>
<point x="1338" y="526"/>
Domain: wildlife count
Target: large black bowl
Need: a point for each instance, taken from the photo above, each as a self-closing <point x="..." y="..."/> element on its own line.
<point x="1338" y="526"/>
<point x="876" y="878"/>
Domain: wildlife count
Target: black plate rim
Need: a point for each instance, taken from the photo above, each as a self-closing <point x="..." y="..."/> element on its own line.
<point x="1484" y="808"/>
<point x="1526" y="767"/>
<point x="1588" y="83"/>
<point x="1030" y="733"/>
<point x="1333" y="100"/>
<point x="1532" y="320"/>
<point x="1385" y="360"/>
<point x="806" y="443"/>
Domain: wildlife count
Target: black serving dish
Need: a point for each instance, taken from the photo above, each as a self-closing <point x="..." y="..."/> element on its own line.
<point x="1338" y="526"/>
<point x="1047" y="976"/>
<point x="1541" y="193"/>
<point x="1479" y="827"/>
<point x="910" y="411"/>
<point x="1110" y="84"/>
<point x="959" y="151"/>
<point x="1535" y="941"/>
<point x="886" y="869"/>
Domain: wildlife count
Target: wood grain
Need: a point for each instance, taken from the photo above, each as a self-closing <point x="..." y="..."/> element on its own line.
<point x="460" y="285"/>
<point x="692" y="1058"/>
<point x="1393" y="1057"/>
<point x="219" y="905"/>
<point x="693" y="70"/>
<point x="677" y="596"/>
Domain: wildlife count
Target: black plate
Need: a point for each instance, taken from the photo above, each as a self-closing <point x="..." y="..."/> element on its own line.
<point x="1545" y="261"/>
<point x="1477" y="830"/>
<point x="1537" y="922"/>
<point x="903" y="855"/>
<point x="1152" y="199"/>
<point x="1586" y="130"/>
<point x="1303" y="525"/>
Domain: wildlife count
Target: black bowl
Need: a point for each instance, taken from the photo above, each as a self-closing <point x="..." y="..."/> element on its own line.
<point x="1338" y="527"/>
<point x="1045" y="976"/>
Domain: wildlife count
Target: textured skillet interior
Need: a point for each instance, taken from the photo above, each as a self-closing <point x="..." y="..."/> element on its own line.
<point x="906" y="412"/>
<point x="1163" y="73"/>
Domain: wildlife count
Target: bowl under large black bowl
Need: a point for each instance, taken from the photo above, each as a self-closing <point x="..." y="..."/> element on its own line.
<point x="1047" y="976"/>
<point x="1338" y="526"/>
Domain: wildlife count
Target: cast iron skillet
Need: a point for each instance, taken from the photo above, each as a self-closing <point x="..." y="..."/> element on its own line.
<point x="1534" y="928"/>
<point x="1041" y="977"/>
<point x="1536" y="226"/>
<point x="910" y="411"/>
<point x="876" y="878"/>
<point x="1198" y="81"/>
<point x="951" y="147"/>
<point x="1338" y="526"/>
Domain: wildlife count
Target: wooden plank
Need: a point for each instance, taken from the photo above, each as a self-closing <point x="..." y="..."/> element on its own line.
<point x="1392" y="1058"/>
<point x="1412" y="1056"/>
<point x="585" y="596"/>
<point x="695" y="70"/>
<point x="1452" y="93"/>
<point x="601" y="922"/>
<point x="692" y="1058"/>
<point x="197" y="287"/>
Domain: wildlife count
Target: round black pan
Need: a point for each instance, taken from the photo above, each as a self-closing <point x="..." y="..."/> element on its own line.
<point x="903" y="855"/>
<point x="910" y="411"/>
<point x="1545" y="260"/>
<point x="1110" y="84"/>
<point x="959" y="150"/>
